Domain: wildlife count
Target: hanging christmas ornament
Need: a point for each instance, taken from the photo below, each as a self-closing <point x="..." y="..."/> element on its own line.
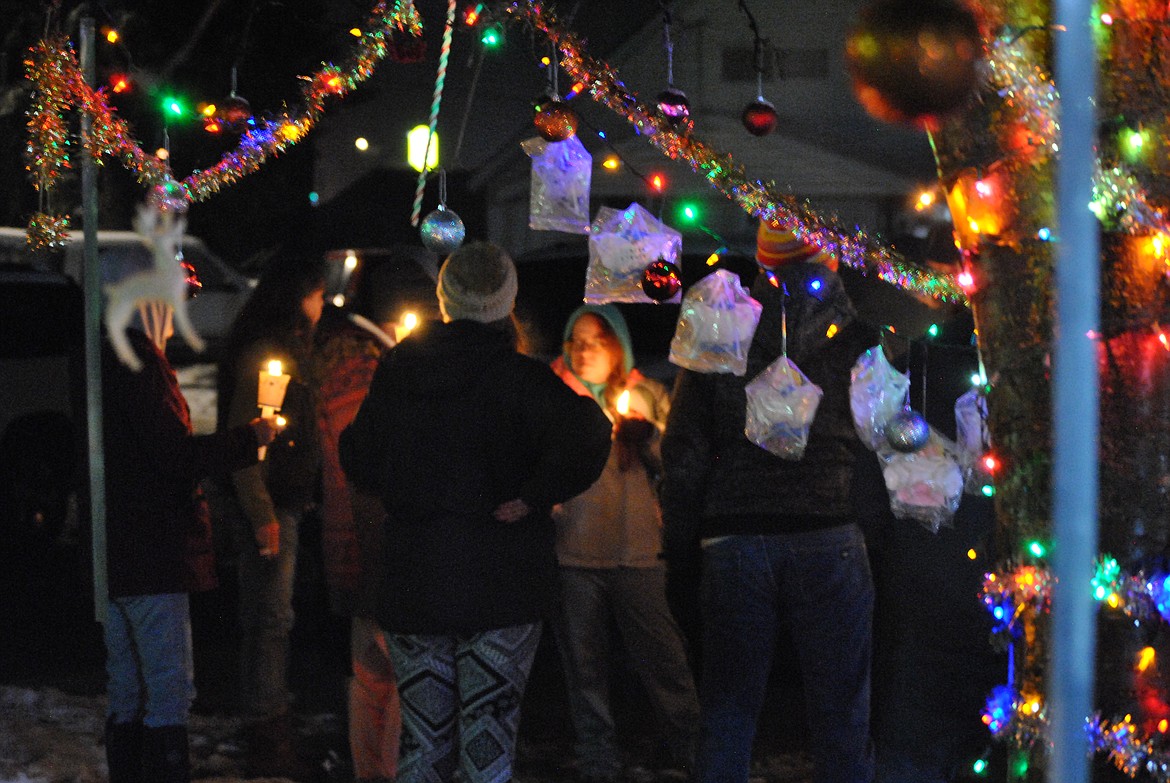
<point x="661" y="280"/>
<point x="672" y="102"/>
<point x="913" y="61"/>
<point x="442" y="231"/>
<point x="907" y="431"/>
<point x="169" y="196"/>
<point x="401" y="48"/>
<point x="555" y="120"/>
<point x="235" y="111"/>
<point x="759" y="116"/>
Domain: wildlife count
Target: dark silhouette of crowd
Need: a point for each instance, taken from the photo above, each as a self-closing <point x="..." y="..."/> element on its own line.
<point x="473" y="507"/>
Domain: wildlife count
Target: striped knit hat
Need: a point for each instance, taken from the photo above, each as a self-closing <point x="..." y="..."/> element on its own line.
<point x="776" y="247"/>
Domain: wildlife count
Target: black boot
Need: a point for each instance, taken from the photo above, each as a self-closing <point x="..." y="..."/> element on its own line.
<point x="124" y="751"/>
<point x="165" y="756"/>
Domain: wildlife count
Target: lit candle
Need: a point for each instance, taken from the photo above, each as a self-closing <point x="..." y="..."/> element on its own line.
<point x="270" y="392"/>
<point x="623" y="403"/>
<point x="405" y="326"/>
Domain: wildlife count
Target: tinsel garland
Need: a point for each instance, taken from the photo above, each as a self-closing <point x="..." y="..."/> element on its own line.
<point x="1119" y="200"/>
<point x="58" y="85"/>
<point x="760" y="199"/>
<point x="1023" y="716"/>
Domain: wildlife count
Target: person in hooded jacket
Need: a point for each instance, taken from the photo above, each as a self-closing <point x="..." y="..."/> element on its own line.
<point x="469" y="444"/>
<point x="609" y="545"/>
<point x="780" y="542"/>
<point x="158" y="549"/>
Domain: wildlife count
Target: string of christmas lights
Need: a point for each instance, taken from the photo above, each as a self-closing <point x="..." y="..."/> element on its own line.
<point x="759" y="199"/>
<point x="58" y="85"/>
<point x="1012" y="595"/>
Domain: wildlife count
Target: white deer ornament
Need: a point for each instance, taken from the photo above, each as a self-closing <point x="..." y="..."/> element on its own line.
<point x="165" y="282"/>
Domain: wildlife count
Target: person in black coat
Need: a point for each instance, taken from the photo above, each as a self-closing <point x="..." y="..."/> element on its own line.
<point x="781" y="547"/>
<point x="158" y="549"/>
<point x="469" y="444"/>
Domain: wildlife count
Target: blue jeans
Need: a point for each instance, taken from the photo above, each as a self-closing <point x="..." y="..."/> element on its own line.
<point x="266" y="620"/>
<point x="817" y="585"/>
<point x="149" y="660"/>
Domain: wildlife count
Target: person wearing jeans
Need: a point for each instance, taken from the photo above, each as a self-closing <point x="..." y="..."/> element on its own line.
<point x="781" y="548"/>
<point x="158" y="549"/>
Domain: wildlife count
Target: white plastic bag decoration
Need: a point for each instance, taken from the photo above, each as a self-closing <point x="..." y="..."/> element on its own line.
<point x="973" y="439"/>
<point x="876" y="393"/>
<point x="716" y="324"/>
<point x="781" y="404"/>
<point x="559" y="196"/>
<point x="925" y="485"/>
<point x="622" y="243"/>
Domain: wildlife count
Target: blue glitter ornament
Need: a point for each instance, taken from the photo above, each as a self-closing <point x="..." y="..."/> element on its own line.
<point x="442" y="231"/>
<point x="907" y="432"/>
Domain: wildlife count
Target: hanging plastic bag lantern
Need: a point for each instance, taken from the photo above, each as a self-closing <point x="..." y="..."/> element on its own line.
<point x="559" y="196"/>
<point x="925" y="485"/>
<point x="877" y="392"/>
<point x="716" y="324"/>
<point x="622" y="243"/>
<point x="781" y="404"/>
<point x="973" y="439"/>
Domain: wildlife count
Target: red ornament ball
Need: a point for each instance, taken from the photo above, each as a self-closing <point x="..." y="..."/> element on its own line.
<point x="759" y="117"/>
<point x="555" y="120"/>
<point x="234" y="111"/>
<point x="914" y="61"/>
<point x="661" y="280"/>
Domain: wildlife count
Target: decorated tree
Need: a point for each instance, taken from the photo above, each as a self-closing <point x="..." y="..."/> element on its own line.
<point x="997" y="159"/>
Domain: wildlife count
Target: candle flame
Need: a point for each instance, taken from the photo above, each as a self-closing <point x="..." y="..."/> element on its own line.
<point x="281" y="421"/>
<point x="275" y="367"/>
<point x="623" y="403"/>
<point x="409" y="321"/>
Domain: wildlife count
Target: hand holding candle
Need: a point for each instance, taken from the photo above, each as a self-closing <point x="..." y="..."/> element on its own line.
<point x="270" y="393"/>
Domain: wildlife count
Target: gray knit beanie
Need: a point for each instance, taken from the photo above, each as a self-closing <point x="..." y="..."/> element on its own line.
<point x="477" y="283"/>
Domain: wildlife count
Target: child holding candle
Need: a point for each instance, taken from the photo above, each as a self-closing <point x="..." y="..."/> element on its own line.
<point x="609" y="545"/>
<point x="277" y="323"/>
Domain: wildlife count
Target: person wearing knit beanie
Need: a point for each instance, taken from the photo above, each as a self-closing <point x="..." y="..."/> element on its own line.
<point x="776" y="247"/>
<point x="477" y="283"/>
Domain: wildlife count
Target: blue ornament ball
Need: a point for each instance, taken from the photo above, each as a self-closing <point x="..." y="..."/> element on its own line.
<point x="442" y="231"/>
<point x="907" y="432"/>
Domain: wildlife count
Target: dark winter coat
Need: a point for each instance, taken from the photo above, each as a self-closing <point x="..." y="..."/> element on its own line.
<point x="457" y="422"/>
<point x="716" y="481"/>
<point x="158" y="531"/>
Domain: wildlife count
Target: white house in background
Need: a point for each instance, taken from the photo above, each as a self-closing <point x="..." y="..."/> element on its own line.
<point x="825" y="148"/>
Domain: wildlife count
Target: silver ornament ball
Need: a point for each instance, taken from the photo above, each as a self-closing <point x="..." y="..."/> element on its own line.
<point x="442" y="231"/>
<point x="169" y="196"/>
<point x="907" y="432"/>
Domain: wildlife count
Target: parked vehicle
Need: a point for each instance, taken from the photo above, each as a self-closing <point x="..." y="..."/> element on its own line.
<point x="42" y="403"/>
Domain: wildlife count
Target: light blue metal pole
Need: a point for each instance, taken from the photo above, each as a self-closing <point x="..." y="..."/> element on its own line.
<point x="1075" y="395"/>
<point x="93" y="349"/>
